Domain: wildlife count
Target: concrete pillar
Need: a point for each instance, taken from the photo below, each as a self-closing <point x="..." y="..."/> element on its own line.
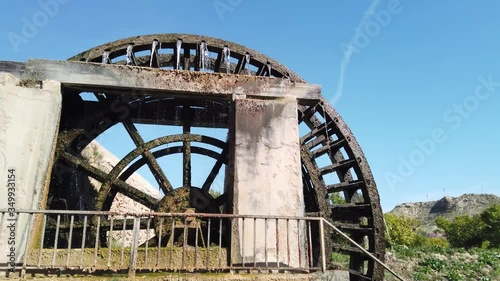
<point x="266" y="175"/>
<point x="29" y="120"/>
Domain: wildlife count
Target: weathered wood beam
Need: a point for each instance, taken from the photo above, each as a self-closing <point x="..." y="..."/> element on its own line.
<point x="122" y="77"/>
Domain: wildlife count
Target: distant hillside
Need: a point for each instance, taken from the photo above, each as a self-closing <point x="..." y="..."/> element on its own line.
<point x="447" y="207"/>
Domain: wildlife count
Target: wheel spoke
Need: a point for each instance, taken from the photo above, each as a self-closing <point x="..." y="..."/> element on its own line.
<point x="186" y="177"/>
<point x="219" y="201"/>
<point x="186" y="147"/>
<point x="128" y="190"/>
<point x="218" y="61"/>
<point x="83" y="166"/>
<point x="153" y="165"/>
<point x="135" y="194"/>
<point x="261" y="70"/>
<point x="240" y="65"/>
<point x="215" y="170"/>
<point x="187" y="57"/>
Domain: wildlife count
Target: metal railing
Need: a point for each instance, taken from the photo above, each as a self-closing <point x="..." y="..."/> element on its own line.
<point x="89" y="241"/>
<point x="370" y="255"/>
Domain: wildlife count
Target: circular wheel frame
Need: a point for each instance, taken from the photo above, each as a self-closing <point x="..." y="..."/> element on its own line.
<point x="332" y="160"/>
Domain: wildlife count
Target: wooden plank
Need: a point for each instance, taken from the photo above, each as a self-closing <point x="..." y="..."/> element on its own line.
<point x="168" y="82"/>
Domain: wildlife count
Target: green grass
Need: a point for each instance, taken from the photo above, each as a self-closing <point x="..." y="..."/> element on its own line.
<point x="449" y="264"/>
<point x="340" y="260"/>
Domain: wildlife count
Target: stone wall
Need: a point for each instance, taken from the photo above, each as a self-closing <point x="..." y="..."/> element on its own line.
<point x="29" y="119"/>
<point x="267" y="181"/>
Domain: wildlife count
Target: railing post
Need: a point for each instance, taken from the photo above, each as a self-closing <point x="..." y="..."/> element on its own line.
<point x="322" y="245"/>
<point x="133" y="248"/>
<point x="27" y="244"/>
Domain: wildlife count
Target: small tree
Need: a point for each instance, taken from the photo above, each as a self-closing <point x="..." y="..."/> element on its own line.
<point x="491" y="228"/>
<point x="402" y="230"/>
<point x="473" y="231"/>
<point x="463" y="231"/>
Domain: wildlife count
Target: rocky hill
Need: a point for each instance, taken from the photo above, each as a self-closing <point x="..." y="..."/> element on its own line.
<point x="447" y="207"/>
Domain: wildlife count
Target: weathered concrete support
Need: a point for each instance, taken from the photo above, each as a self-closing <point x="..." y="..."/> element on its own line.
<point x="267" y="181"/>
<point x="171" y="82"/>
<point x="29" y="120"/>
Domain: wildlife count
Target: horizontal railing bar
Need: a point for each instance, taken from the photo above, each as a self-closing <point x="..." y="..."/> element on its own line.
<point x="276" y="268"/>
<point x="105" y="224"/>
<point x="154" y="214"/>
<point x="63" y="268"/>
<point x="162" y="268"/>
<point x="68" y="212"/>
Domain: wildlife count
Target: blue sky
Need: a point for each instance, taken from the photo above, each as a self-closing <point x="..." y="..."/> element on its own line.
<point x="420" y="76"/>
